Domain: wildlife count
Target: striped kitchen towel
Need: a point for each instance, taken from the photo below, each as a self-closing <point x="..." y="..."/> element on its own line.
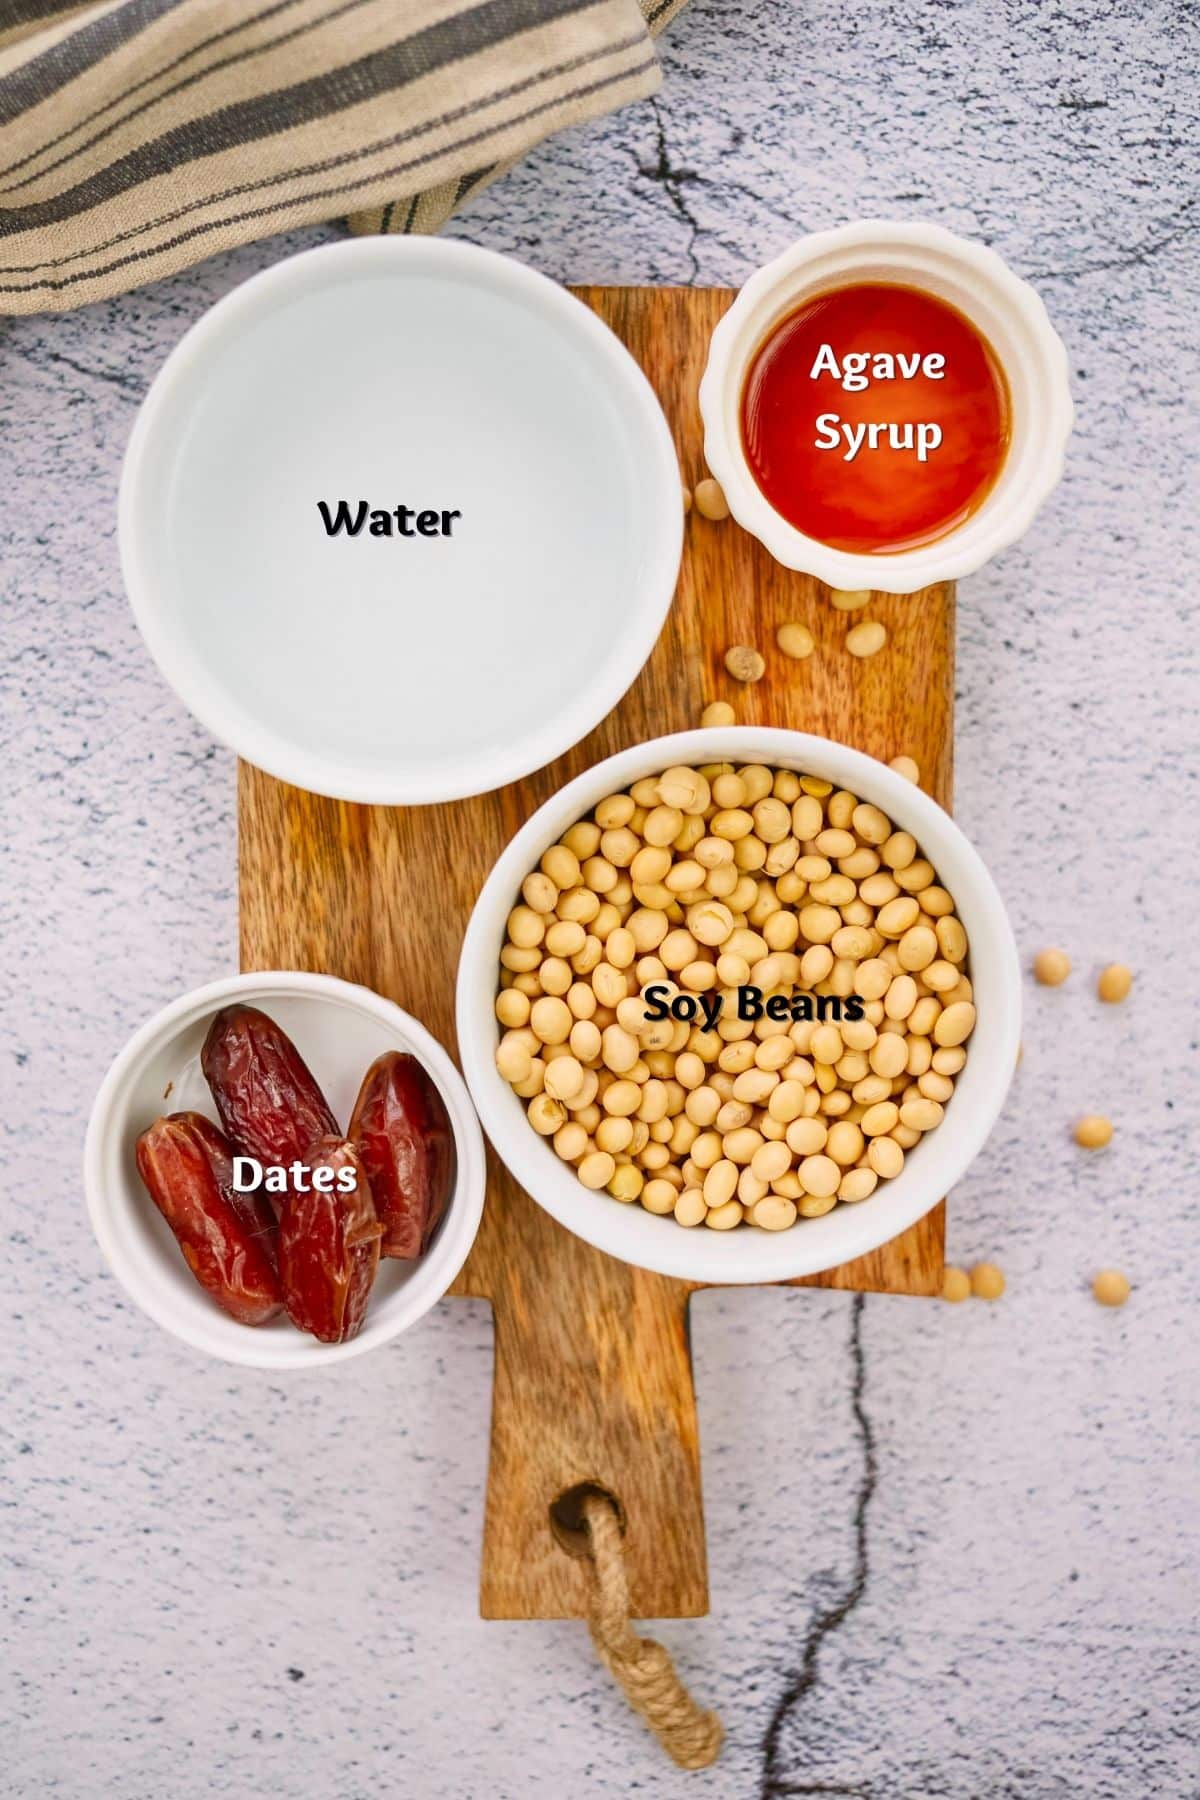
<point x="138" y="136"/>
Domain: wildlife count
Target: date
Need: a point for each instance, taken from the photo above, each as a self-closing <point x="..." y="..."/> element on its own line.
<point x="227" y="1239"/>
<point x="329" y="1246"/>
<point x="402" y="1132"/>
<point x="268" y="1100"/>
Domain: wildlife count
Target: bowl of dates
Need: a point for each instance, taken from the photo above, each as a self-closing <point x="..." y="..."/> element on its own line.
<point x="284" y="1169"/>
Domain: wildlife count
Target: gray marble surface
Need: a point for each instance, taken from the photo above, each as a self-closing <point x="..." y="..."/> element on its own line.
<point x="952" y="1549"/>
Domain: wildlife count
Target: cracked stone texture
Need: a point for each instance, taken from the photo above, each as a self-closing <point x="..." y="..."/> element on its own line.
<point x="951" y="1548"/>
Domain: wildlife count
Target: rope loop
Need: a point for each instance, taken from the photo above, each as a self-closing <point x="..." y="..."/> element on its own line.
<point x="641" y="1667"/>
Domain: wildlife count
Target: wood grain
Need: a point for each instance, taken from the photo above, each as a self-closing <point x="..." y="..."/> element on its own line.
<point x="593" y="1374"/>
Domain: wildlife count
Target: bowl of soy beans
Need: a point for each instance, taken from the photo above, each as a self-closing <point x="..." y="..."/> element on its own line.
<point x="739" y="1004"/>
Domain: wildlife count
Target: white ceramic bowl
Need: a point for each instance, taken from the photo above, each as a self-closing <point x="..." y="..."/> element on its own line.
<point x="631" y="1233"/>
<point x="430" y="374"/>
<point x="970" y="277"/>
<point x="339" y="1029"/>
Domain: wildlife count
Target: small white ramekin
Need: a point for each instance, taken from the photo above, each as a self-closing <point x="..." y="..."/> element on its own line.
<point x="339" y="1029"/>
<point x="747" y="1255"/>
<point x="1005" y="309"/>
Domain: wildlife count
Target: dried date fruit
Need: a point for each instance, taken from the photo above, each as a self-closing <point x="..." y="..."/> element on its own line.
<point x="402" y="1132"/>
<point x="269" y="1102"/>
<point x="227" y="1239"/>
<point x="329" y="1244"/>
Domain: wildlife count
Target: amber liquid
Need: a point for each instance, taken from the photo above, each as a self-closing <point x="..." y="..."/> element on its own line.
<point x="883" y="499"/>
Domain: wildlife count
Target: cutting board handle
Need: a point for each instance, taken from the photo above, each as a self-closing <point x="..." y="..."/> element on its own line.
<point x="593" y="1385"/>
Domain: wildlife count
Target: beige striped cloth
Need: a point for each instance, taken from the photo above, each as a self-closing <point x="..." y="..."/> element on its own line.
<point x="139" y="136"/>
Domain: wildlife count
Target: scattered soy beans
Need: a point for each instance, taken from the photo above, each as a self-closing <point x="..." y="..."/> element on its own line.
<point x="849" y="599"/>
<point x="904" y="765"/>
<point x="956" y="1285"/>
<point x="987" y="1281"/>
<point x="744" y="663"/>
<point x="1111" y="1288"/>
<point x="1093" y="1131"/>
<point x="709" y="499"/>
<point x="795" y="640"/>
<point x="718" y="712"/>
<point x="1051" y="967"/>
<point x="1114" y="983"/>
<point x="866" y="639"/>
<point x="693" y="885"/>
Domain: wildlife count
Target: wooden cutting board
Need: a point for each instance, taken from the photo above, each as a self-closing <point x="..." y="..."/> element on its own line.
<point x="593" y="1374"/>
